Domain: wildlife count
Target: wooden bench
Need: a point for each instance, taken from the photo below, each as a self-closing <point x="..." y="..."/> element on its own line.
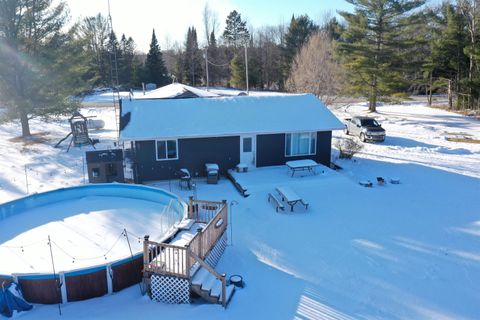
<point x="278" y="204"/>
<point x="305" y="203"/>
<point x="291" y="197"/>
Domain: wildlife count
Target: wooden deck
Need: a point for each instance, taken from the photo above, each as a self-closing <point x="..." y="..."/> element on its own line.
<point x="182" y="258"/>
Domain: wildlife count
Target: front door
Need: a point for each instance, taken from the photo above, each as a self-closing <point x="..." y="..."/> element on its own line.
<point x="247" y="150"/>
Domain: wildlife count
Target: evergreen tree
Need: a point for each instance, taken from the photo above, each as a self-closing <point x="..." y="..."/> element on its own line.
<point x="213" y="57"/>
<point x="236" y="32"/>
<point x="297" y="35"/>
<point x="127" y="63"/>
<point x="94" y="31"/>
<point x="333" y="28"/>
<point x="448" y="60"/>
<point x="237" y="71"/>
<point x="374" y="44"/>
<point x="213" y="39"/>
<point x="155" y="70"/>
<point x="193" y="59"/>
<point x="113" y="55"/>
<point x="40" y="64"/>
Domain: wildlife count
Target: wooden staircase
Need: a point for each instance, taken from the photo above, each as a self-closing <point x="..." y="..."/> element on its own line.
<point x="209" y="284"/>
<point x="209" y="287"/>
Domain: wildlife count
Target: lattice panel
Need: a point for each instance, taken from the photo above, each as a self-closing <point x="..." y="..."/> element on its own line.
<point x="216" y="253"/>
<point x="170" y="289"/>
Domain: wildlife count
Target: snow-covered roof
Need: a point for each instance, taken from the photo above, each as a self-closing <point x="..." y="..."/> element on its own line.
<point x="224" y="116"/>
<point x="176" y="90"/>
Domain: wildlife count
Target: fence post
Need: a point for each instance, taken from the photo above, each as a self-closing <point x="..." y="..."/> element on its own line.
<point x="63" y="287"/>
<point x="26" y="179"/>
<point x="109" y="279"/>
<point x="190" y="207"/>
<point x="145" y="251"/>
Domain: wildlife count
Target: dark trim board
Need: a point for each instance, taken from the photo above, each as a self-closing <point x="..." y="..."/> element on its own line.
<point x="271" y="149"/>
<point x="193" y="153"/>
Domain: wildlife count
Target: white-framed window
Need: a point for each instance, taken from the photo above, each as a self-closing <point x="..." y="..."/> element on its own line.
<point x="166" y="149"/>
<point x="300" y="144"/>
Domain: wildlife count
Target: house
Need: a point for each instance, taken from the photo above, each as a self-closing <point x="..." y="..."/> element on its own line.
<point x="177" y="91"/>
<point x="264" y="130"/>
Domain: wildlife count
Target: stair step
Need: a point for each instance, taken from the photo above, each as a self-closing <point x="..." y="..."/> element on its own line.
<point x="200" y="277"/>
<point x="216" y="289"/>
<point x="209" y="283"/>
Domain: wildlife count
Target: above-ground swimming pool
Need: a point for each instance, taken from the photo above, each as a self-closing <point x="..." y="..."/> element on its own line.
<point x="86" y="226"/>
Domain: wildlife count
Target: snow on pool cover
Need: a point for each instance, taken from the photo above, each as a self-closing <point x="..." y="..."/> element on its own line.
<point x="85" y="225"/>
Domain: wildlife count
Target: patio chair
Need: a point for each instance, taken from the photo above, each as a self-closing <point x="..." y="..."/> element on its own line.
<point x="380" y="181"/>
<point x="185" y="179"/>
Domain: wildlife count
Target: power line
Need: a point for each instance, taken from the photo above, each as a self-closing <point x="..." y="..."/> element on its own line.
<point x="218" y="65"/>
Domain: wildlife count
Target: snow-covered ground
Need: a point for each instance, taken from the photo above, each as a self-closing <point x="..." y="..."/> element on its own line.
<point x="407" y="251"/>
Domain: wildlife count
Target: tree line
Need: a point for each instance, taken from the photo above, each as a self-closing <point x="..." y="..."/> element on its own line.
<point x="382" y="50"/>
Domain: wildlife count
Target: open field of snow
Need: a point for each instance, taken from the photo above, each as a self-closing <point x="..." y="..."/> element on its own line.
<point x="407" y="251"/>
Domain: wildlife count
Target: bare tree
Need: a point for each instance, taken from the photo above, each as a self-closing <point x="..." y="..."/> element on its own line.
<point x="315" y="70"/>
<point x="210" y="22"/>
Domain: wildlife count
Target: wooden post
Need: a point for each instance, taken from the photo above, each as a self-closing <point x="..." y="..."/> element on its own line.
<point x="224" y="290"/>
<point x="145" y="252"/>
<point x="190" y="207"/>
<point x="187" y="263"/>
<point x="225" y="207"/>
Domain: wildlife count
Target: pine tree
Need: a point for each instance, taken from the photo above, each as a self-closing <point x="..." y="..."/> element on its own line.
<point x="213" y="57"/>
<point x="94" y="31"/>
<point x="297" y="35"/>
<point x="236" y="32"/>
<point x="155" y="70"/>
<point x="448" y="60"/>
<point x="193" y="58"/>
<point x="128" y="62"/>
<point x="373" y="47"/>
<point x="237" y="72"/>
<point x="40" y="64"/>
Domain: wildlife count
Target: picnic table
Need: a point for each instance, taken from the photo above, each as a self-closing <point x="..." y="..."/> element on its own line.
<point x="302" y="165"/>
<point x="290" y="196"/>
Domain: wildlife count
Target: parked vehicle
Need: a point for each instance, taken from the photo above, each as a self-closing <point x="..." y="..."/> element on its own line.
<point x="367" y="129"/>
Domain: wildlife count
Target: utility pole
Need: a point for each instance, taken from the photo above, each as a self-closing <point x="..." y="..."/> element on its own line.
<point x="206" y="63"/>
<point x="246" y="66"/>
<point x="114" y="75"/>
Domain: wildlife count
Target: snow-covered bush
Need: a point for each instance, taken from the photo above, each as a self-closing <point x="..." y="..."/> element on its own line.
<point x="348" y="147"/>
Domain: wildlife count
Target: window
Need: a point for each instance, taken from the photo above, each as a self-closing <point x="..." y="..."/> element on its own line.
<point x="247" y="144"/>
<point x="95" y="172"/>
<point x="300" y="144"/>
<point x="167" y="149"/>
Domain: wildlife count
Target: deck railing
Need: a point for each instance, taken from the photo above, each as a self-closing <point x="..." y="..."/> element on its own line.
<point x="203" y="242"/>
<point x="177" y="261"/>
<point x="165" y="259"/>
<point x="204" y="211"/>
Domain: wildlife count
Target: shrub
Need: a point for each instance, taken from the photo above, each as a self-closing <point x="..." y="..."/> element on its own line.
<point x="348" y="147"/>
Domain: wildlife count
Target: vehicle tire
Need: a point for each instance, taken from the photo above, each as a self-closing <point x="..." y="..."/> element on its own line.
<point x="362" y="137"/>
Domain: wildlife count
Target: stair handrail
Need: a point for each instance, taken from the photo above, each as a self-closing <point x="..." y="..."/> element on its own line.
<point x="221" y="277"/>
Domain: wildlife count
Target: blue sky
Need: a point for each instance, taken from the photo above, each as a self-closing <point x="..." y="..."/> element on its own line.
<point x="171" y="18"/>
<point x="271" y="12"/>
